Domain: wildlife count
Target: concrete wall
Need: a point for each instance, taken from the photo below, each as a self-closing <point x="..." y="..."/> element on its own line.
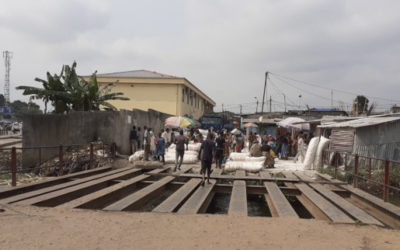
<point x="83" y="128"/>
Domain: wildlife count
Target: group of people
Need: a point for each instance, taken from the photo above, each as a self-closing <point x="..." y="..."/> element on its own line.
<point x="287" y="146"/>
<point x="153" y="145"/>
<point x="216" y="146"/>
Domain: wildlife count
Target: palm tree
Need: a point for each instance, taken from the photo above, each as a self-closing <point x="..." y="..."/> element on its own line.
<point x="68" y="91"/>
<point x="53" y="91"/>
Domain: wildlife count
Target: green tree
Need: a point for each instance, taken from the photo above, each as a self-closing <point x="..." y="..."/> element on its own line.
<point x="68" y="91"/>
<point x="22" y="108"/>
<point x="360" y="104"/>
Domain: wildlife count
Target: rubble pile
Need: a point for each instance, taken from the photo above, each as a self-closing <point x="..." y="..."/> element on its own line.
<point x="74" y="162"/>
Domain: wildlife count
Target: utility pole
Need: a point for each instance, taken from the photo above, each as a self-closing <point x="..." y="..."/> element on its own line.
<point x="257" y="104"/>
<point x="284" y="101"/>
<point x="264" y="92"/>
<point x="332" y="98"/>
<point x="7" y="55"/>
<point x="270" y="104"/>
<point x="240" y="109"/>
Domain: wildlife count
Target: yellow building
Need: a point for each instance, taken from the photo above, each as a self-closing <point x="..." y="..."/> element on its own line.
<point x="153" y="90"/>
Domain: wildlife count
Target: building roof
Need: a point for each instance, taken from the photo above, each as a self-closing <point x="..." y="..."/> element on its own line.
<point x="363" y="122"/>
<point x="137" y="74"/>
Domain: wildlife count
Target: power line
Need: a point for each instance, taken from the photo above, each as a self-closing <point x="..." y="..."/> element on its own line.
<point x="308" y="92"/>
<point x="337" y="90"/>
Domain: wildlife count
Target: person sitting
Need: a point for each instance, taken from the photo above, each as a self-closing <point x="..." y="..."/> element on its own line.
<point x="255" y="150"/>
<point x="269" y="155"/>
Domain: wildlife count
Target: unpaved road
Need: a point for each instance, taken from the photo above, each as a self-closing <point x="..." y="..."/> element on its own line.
<point x="51" y="228"/>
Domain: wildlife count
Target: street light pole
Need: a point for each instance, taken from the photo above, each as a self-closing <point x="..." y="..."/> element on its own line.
<point x="284" y="101"/>
<point x="265" y="88"/>
<point x="257" y="104"/>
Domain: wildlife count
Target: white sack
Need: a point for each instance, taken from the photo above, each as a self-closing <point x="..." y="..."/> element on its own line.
<point x="254" y="166"/>
<point x="261" y="158"/>
<point x="311" y="152"/>
<point x="187" y="158"/>
<point x="194" y="147"/>
<point x="323" y="144"/>
<point x="238" y="156"/>
<point x="138" y="155"/>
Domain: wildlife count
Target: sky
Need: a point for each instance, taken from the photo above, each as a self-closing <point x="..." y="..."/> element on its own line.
<point x="318" y="53"/>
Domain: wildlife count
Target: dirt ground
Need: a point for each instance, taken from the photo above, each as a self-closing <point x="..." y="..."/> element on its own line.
<point x="52" y="228"/>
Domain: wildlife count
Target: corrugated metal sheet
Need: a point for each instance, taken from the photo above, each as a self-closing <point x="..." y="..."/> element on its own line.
<point x="341" y="140"/>
<point x="381" y="141"/>
<point x="359" y="123"/>
<point x="389" y="151"/>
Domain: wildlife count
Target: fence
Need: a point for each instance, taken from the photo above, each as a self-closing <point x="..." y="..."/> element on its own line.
<point x="69" y="159"/>
<point x="380" y="177"/>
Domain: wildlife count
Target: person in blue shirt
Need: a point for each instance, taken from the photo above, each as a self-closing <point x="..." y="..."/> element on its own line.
<point x="160" y="148"/>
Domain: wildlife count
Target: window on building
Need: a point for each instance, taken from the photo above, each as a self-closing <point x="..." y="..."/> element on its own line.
<point x="187" y="95"/>
<point x="191" y="97"/>
<point x="183" y="95"/>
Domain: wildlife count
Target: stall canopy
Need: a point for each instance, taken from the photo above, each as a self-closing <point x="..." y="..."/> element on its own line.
<point x="180" y="122"/>
<point x="294" y="123"/>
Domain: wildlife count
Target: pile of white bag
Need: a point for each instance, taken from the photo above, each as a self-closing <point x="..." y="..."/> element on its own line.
<point x="314" y="153"/>
<point x="250" y="166"/>
<point x="190" y="156"/>
<point x="243" y="161"/>
<point x="137" y="156"/>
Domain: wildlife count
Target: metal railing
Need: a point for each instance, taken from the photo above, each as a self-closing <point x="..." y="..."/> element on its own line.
<point x="13" y="162"/>
<point x="362" y="168"/>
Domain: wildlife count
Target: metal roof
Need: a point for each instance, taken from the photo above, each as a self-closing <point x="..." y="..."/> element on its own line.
<point x="137" y="74"/>
<point x="264" y="121"/>
<point x="363" y="122"/>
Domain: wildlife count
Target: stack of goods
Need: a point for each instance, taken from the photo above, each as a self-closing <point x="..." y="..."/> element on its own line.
<point x="243" y="161"/>
<point x="190" y="157"/>
<point x="315" y="149"/>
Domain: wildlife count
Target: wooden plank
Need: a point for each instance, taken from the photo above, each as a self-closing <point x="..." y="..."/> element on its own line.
<point x="198" y="198"/>
<point x="303" y="176"/>
<point x="50" y="189"/>
<point x="177" y="198"/>
<point x="133" y="200"/>
<point x="106" y="196"/>
<point x="11" y="191"/>
<point x="389" y="208"/>
<point x="238" y="202"/>
<point x="349" y="208"/>
<point x="312" y="208"/>
<point x="216" y="172"/>
<point x="290" y="175"/>
<point x="335" y="214"/>
<point x="240" y="173"/>
<point x="228" y="177"/>
<point x="266" y="174"/>
<point x="279" y="201"/>
<point x="64" y="195"/>
<point x="328" y="178"/>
